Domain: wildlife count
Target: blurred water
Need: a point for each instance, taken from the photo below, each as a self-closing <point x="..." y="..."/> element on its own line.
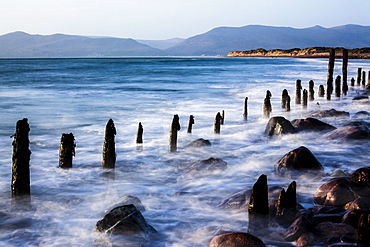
<point x="80" y="95"/>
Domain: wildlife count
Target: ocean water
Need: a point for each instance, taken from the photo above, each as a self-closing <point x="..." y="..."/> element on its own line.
<point x="79" y="96"/>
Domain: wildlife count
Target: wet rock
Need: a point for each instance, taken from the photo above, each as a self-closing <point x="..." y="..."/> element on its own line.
<point x="300" y="226"/>
<point x="352" y="217"/>
<point x="205" y="167"/>
<point x="361" y="97"/>
<point x="361" y="203"/>
<point x="361" y="115"/>
<point x="125" y="220"/>
<point x="199" y="143"/>
<point x="319" y="218"/>
<point x="236" y="239"/>
<point x="311" y="124"/>
<point x="358" y="123"/>
<point x="297" y="160"/>
<point x="305" y="239"/>
<point x="350" y="132"/>
<point x="334" y="230"/>
<point x="331" y="113"/>
<point x="336" y="192"/>
<point x="278" y="126"/>
<point x="360" y="181"/>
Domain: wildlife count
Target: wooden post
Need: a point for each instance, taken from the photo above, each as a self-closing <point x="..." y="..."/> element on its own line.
<point x="362" y="234"/>
<point x="258" y="208"/>
<point x="305" y="97"/>
<point x="245" y="114"/>
<point x="217" y="125"/>
<point x="311" y="91"/>
<point x="344" y="71"/>
<point x="283" y="98"/>
<point x="337" y="86"/>
<point x="352" y="82"/>
<point x="67" y="150"/>
<point x="139" y="135"/>
<point x="267" y="108"/>
<point x="329" y="86"/>
<point x="298" y="89"/>
<point x="191" y="122"/>
<point x="363" y="78"/>
<point x="21" y="160"/>
<point x="321" y="91"/>
<point x="287" y="107"/>
<point x="368" y="79"/>
<point x="175" y="127"/>
<point x="222" y="117"/>
<point x="109" y="147"/>
<point x="359" y="72"/>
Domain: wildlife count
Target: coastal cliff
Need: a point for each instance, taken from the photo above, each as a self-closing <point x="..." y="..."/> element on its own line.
<point x="311" y="52"/>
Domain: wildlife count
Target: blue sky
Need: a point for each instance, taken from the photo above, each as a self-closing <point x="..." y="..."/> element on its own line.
<point x="163" y="19"/>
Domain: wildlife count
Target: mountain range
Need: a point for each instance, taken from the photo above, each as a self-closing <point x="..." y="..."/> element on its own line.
<point x="218" y="41"/>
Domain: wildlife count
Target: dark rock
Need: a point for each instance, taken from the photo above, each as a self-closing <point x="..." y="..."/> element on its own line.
<point x="328" y="210"/>
<point x="311" y="124"/>
<point x="361" y="115"/>
<point x="236" y="239"/>
<point x="361" y="203"/>
<point x="300" y="226"/>
<point x="348" y="238"/>
<point x="350" y="132"/>
<point x="278" y="126"/>
<point x="199" y="143"/>
<point x="358" y="123"/>
<point x="125" y="220"/>
<point x="352" y="217"/>
<point x="331" y="113"/>
<point x="297" y="160"/>
<point x="336" y="192"/>
<point x="360" y="181"/>
<point x="205" y="167"/>
<point x="305" y="239"/>
<point x="319" y="218"/>
<point x="361" y="97"/>
<point x="335" y="230"/>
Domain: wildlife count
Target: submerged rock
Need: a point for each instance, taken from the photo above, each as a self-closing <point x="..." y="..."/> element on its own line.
<point x="199" y="143"/>
<point x="204" y="167"/>
<point x="278" y="126"/>
<point x="350" y="132"/>
<point x="311" y="124"/>
<point x="297" y="160"/>
<point x="125" y="220"/>
<point x="236" y="239"/>
<point x="361" y="115"/>
<point x="331" y="113"/>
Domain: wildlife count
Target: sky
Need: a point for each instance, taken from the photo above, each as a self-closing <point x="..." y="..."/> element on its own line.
<point x="165" y="19"/>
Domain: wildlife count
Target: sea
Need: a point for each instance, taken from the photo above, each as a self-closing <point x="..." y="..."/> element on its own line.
<point x="80" y="95"/>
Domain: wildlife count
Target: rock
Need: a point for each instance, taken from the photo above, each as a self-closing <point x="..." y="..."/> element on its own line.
<point x="297" y="160"/>
<point x="125" y="220"/>
<point x="361" y="203"/>
<point x="361" y="115"/>
<point x="199" y="143"/>
<point x="350" y="132"/>
<point x="311" y="124"/>
<point x="305" y="239"/>
<point x="206" y="167"/>
<point x="278" y="126"/>
<point x="300" y="226"/>
<point x="336" y="192"/>
<point x="352" y="217"/>
<point x="360" y="181"/>
<point x="331" y="113"/>
<point x="236" y="239"/>
<point x="361" y="97"/>
<point x="129" y="200"/>
<point x="335" y="230"/>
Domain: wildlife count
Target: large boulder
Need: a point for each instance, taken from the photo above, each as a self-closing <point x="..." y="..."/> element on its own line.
<point x="278" y="126"/>
<point x="236" y="239"/>
<point x="298" y="160"/>
<point x="311" y="124"/>
<point x="125" y="220"/>
<point x="336" y="192"/>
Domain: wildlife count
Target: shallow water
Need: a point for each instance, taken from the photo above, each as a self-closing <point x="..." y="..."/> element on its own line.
<point x="80" y="95"/>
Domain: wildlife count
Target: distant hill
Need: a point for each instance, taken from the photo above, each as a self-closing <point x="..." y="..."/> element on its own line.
<point x="218" y="41"/>
<point x="20" y="44"/>
<point x="222" y="40"/>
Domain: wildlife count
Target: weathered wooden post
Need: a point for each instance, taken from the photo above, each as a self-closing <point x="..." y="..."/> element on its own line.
<point x="267" y="108"/>
<point x="344" y="71"/>
<point x="67" y="150"/>
<point x="329" y="86"/>
<point x="139" y="135"/>
<point x="298" y="89"/>
<point x="363" y="78"/>
<point x="222" y="117"/>
<point x="352" y="82"/>
<point x="21" y="160"/>
<point x="109" y="147"/>
<point x="217" y="125"/>
<point x="287" y="107"/>
<point x="175" y="127"/>
<point x="258" y="208"/>
<point x="245" y="114"/>
<point x="284" y="94"/>
<point x="321" y="91"/>
<point x="311" y="91"/>
<point x="368" y="79"/>
<point x="337" y="86"/>
<point x="363" y="230"/>
<point x="359" y="72"/>
<point x="305" y="98"/>
<point x="191" y="122"/>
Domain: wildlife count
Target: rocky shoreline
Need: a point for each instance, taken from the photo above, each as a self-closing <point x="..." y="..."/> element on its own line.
<point x="311" y="52"/>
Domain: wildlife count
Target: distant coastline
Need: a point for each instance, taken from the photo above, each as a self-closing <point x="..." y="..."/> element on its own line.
<point x="311" y="52"/>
